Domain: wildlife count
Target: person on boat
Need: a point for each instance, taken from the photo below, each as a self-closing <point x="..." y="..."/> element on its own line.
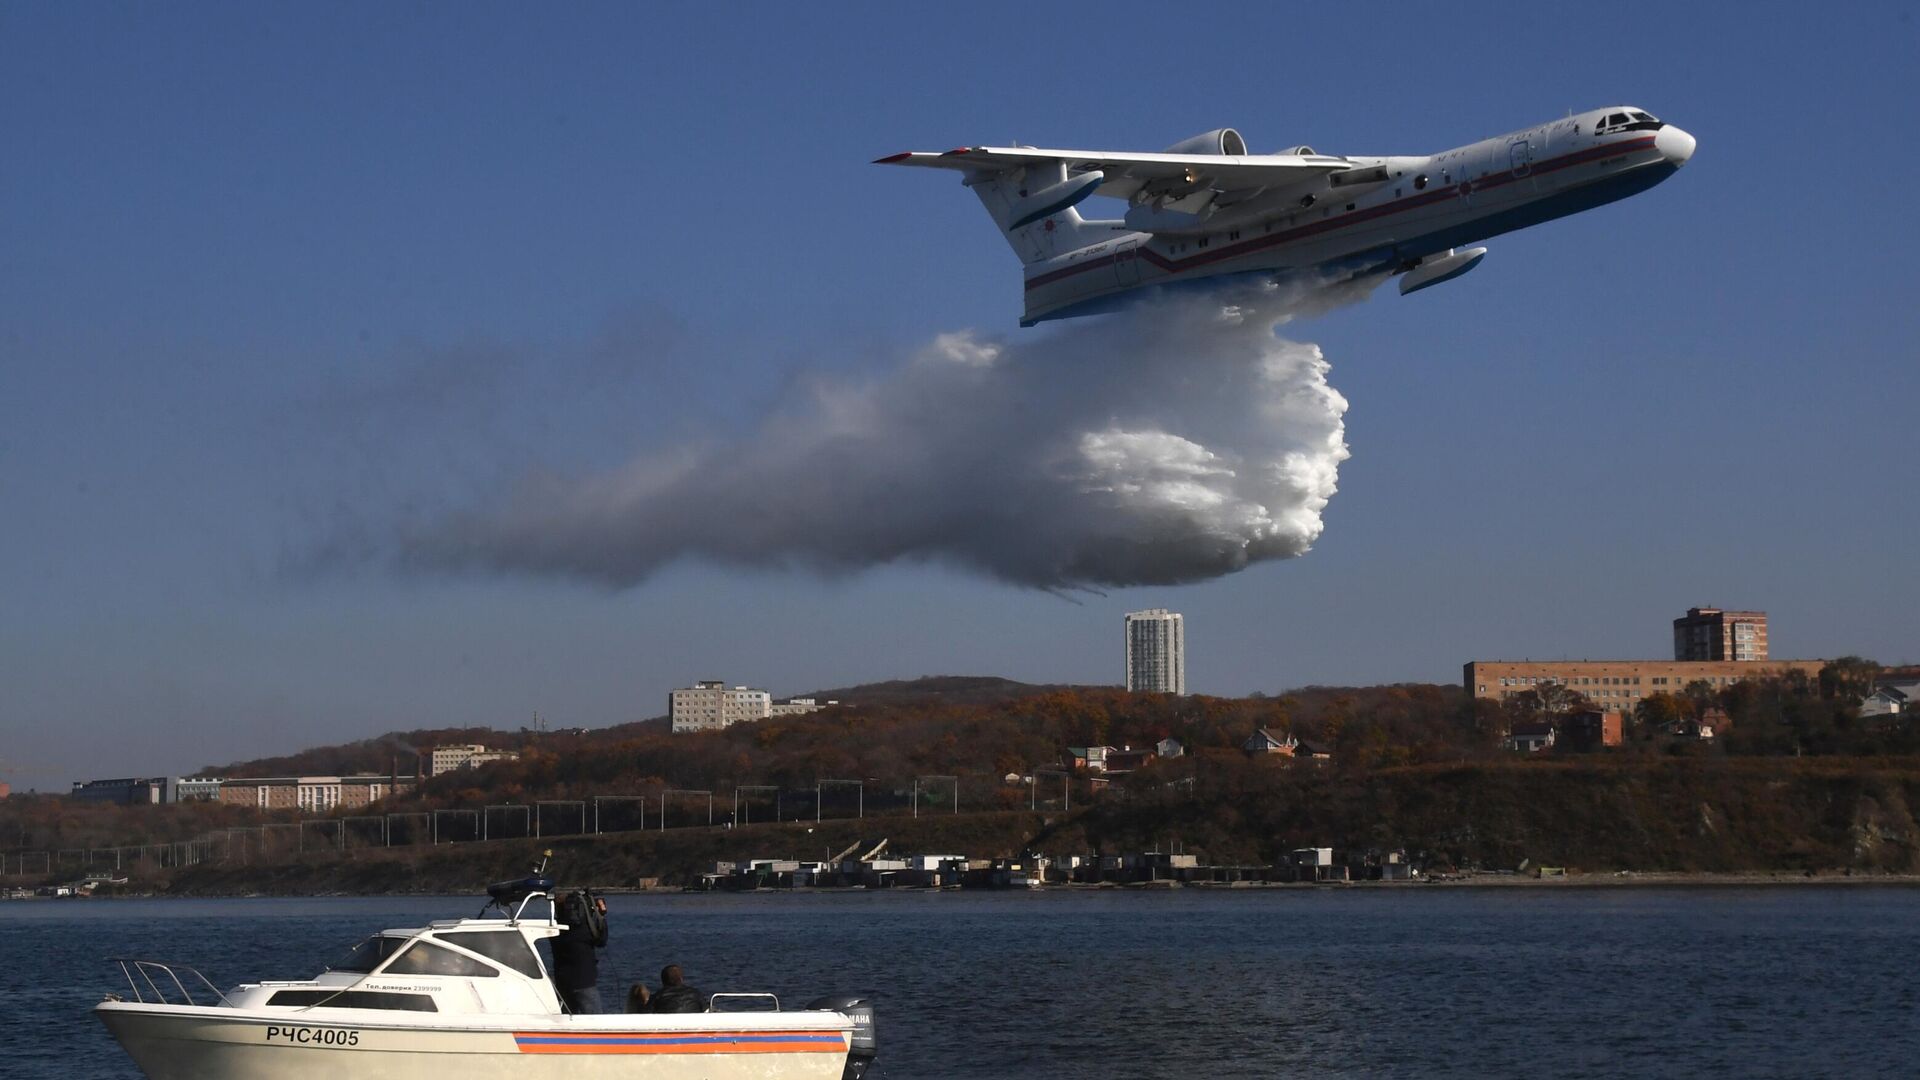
<point x="674" y="995"/>
<point x="576" y="968"/>
<point x="637" y="998"/>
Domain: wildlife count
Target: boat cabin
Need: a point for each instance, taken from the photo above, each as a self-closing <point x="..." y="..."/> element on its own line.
<point x="453" y="966"/>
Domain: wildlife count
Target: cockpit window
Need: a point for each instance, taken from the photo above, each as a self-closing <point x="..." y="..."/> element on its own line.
<point x="1628" y="120"/>
<point x="368" y="954"/>
<point x="507" y="947"/>
<point x="426" y="958"/>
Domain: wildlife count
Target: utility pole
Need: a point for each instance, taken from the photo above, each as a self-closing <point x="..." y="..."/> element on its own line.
<point x="1066" y="786"/>
<point x="953" y="780"/>
<point x="740" y="805"/>
<point x="819" y="784"/>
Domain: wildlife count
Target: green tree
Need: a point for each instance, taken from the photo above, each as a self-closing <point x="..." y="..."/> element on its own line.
<point x="1701" y="695"/>
<point x="1661" y="711"/>
<point x="1850" y="679"/>
<point x="1546" y="701"/>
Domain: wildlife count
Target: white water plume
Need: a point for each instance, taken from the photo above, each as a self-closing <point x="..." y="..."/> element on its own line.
<point x="1177" y="441"/>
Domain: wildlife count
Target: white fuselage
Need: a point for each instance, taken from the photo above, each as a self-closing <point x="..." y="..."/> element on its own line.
<point x="1418" y="207"/>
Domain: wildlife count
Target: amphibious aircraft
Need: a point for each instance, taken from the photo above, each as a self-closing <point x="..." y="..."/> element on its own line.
<point x="1204" y="208"/>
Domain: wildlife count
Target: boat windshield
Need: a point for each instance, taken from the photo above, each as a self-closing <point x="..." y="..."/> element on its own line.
<point x="505" y="946"/>
<point x="369" y="954"/>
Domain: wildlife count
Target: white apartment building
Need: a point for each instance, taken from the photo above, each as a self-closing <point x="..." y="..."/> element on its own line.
<point x="1156" y="651"/>
<point x="799" y="706"/>
<point x="445" y="759"/>
<point x="711" y="705"/>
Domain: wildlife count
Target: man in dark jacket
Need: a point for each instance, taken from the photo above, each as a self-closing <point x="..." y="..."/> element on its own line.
<point x="576" y="968"/>
<point x="674" y="995"/>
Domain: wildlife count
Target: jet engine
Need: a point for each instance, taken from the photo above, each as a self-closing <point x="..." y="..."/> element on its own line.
<point x="1218" y="141"/>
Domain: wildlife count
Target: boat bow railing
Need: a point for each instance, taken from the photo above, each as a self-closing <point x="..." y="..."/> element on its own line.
<point x="158" y="975"/>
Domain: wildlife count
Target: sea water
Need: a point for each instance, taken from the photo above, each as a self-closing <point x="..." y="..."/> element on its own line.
<point x="1415" y="980"/>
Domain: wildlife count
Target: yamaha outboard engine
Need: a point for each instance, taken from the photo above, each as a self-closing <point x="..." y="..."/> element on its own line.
<point x="860" y="1011"/>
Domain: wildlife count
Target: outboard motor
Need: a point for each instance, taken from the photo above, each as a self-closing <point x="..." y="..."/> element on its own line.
<point x="860" y="1011"/>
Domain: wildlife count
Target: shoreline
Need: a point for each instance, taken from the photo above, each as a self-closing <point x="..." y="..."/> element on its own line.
<point x="1620" y="880"/>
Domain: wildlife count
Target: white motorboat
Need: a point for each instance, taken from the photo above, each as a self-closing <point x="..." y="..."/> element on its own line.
<point x="468" y="998"/>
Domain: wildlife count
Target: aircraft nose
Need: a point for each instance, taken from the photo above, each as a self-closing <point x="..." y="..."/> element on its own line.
<point x="1674" y="145"/>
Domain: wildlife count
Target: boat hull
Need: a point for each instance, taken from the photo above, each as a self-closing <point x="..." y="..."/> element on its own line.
<point x="176" y="1042"/>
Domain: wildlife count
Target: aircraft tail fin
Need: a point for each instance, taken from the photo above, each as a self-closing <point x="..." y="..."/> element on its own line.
<point x="1034" y="208"/>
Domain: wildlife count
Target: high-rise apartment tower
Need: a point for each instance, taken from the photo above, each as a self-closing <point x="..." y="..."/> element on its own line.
<point x="1156" y="651"/>
<point x="1707" y="633"/>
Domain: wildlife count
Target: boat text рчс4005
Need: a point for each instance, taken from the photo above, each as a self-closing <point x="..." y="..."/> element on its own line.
<point x="466" y="998"/>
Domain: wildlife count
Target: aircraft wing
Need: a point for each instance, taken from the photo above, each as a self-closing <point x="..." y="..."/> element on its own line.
<point x="1128" y="173"/>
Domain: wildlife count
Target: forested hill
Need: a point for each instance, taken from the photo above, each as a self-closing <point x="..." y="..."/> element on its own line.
<point x="1795" y="775"/>
<point x="943" y="689"/>
<point x="395" y="751"/>
<point x="985" y="729"/>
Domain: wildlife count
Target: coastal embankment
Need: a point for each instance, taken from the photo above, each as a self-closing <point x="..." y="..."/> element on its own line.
<point x="1622" y="821"/>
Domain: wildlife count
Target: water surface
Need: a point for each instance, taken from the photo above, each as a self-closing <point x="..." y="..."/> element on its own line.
<point x="1423" y="981"/>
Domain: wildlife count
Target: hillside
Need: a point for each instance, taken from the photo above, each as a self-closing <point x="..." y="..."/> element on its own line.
<point x="1596" y="816"/>
<point x="941" y="689"/>
<point x="1796" y="779"/>
<point x="395" y="751"/>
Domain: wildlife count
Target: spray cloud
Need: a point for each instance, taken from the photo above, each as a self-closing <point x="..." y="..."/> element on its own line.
<point x="1177" y="441"/>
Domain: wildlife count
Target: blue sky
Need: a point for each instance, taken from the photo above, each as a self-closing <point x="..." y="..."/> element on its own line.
<point x="270" y="275"/>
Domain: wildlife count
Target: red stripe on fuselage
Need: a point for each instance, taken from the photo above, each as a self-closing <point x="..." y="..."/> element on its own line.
<point x="1438" y="195"/>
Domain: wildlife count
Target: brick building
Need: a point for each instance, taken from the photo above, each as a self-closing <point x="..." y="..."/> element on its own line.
<point x="1592" y="729"/>
<point x="1708" y="633"/>
<point x="310" y="794"/>
<point x="1619" y="684"/>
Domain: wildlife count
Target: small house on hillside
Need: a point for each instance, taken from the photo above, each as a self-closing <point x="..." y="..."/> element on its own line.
<point x="1891" y="699"/>
<point x="1266" y="742"/>
<point x="1127" y="759"/>
<point x="1531" y="738"/>
<point x="1712" y="721"/>
<point x="1091" y="759"/>
<point x="1591" y="729"/>
<point x="1317" y="752"/>
<point x="1169" y="748"/>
